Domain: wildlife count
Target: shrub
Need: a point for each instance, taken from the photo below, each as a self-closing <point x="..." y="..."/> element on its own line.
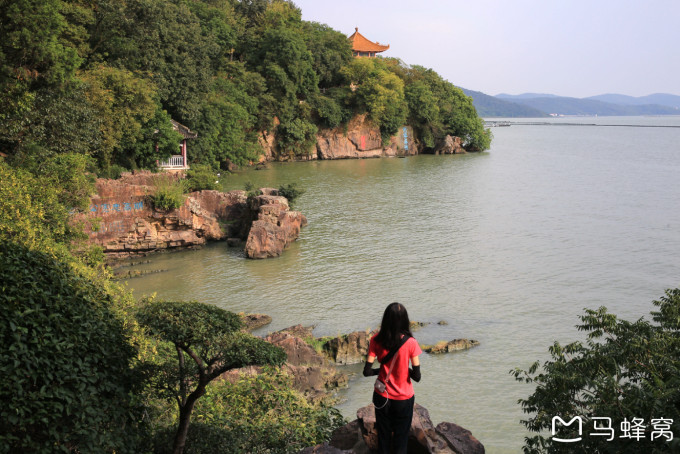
<point x="65" y="376"/>
<point x="291" y="192"/>
<point x="168" y="194"/>
<point x="208" y="342"/>
<point x="251" y="192"/>
<point x="201" y="177"/>
<point x="256" y="414"/>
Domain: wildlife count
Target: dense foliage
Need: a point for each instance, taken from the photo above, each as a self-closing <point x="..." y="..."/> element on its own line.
<point x="256" y="414"/>
<point x="168" y="193"/>
<point x="208" y="342"/>
<point x="103" y="79"/>
<point x="65" y="378"/>
<point x="626" y="371"/>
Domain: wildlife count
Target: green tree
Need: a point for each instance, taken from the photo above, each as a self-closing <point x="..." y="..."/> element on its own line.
<point x="32" y="46"/>
<point x="157" y="140"/>
<point x="379" y="92"/>
<point x="330" y="50"/>
<point x="163" y="40"/>
<point x="124" y="103"/>
<point x="66" y="380"/>
<point x="208" y="342"/>
<point x="35" y="211"/>
<point x="423" y="111"/>
<point x="47" y="121"/>
<point x="624" y="370"/>
<point x="296" y="137"/>
<point x="260" y="413"/>
<point x="287" y="65"/>
<point x="230" y="118"/>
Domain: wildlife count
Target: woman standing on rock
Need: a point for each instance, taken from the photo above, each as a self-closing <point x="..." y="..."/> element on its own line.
<point x="393" y="396"/>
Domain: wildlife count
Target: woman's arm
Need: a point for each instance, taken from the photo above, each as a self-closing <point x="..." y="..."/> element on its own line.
<point x="415" y="372"/>
<point x="368" y="371"/>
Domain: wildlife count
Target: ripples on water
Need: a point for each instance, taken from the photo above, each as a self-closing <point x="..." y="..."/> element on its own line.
<point x="508" y="247"/>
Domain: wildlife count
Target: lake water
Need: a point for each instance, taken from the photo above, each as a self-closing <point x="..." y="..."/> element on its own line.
<point x="507" y="246"/>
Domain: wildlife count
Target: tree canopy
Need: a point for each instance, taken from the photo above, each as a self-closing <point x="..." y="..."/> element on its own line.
<point x="103" y="79"/>
<point x="623" y="384"/>
<point x="65" y="372"/>
<point x="208" y="343"/>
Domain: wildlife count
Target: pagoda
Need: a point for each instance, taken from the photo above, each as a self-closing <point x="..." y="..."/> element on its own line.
<point x="362" y="47"/>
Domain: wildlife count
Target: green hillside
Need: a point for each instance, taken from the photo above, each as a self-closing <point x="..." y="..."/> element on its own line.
<point x="103" y="79"/>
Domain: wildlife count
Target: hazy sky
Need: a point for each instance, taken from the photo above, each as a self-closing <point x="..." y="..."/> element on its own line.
<point x="565" y="47"/>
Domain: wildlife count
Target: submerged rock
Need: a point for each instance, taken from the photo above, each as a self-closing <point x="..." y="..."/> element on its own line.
<point x="252" y="322"/>
<point x="450" y="346"/>
<point x="415" y="326"/>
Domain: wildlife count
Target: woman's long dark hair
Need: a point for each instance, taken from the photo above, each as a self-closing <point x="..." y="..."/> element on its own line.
<point x="394" y="323"/>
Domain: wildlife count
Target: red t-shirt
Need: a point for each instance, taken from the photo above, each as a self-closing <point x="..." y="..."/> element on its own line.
<point x="399" y="386"/>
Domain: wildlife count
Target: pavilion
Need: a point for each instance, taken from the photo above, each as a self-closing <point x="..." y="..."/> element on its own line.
<point x="180" y="161"/>
<point x="362" y="47"/>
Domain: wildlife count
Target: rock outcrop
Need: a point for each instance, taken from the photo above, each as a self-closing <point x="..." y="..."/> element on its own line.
<point x="275" y="227"/>
<point x="311" y="373"/>
<point x="360" y="436"/>
<point x="123" y="222"/>
<point x="450" y="145"/>
<point x="349" y="348"/>
<point x="352" y="348"/>
<point x="362" y="139"/>
<point x="252" y="322"/>
<point x="450" y="346"/>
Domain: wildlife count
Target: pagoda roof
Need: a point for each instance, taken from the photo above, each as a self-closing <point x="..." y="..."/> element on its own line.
<point x="361" y="44"/>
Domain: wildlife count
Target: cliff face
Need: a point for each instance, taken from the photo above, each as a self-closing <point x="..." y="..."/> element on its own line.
<point x="122" y="221"/>
<point x="362" y="140"/>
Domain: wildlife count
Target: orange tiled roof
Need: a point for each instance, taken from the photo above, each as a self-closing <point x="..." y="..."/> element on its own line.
<point x="361" y="44"/>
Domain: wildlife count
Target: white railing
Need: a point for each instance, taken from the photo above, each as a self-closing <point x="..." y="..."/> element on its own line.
<point x="176" y="161"/>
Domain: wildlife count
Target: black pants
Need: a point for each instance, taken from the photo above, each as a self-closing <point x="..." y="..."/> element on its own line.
<point x="393" y="422"/>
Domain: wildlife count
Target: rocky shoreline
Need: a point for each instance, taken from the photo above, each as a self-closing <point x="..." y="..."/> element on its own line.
<point x="359" y="139"/>
<point x="312" y="365"/>
<point x="122" y="221"/>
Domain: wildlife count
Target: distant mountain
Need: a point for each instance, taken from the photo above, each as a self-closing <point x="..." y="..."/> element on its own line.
<point x="663" y="99"/>
<point x="525" y="96"/>
<point x="491" y="106"/>
<point x="576" y="106"/>
<point x="542" y="105"/>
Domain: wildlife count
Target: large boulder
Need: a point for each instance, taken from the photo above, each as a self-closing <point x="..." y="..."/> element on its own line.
<point x="311" y="373"/>
<point x="274" y="227"/>
<point x="298" y="351"/>
<point x="252" y="322"/>
<point x="459" y="438"/>
<point x="361" y="436"/>
<point x="349" y="348"/>
<point x="450" y="145"/>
